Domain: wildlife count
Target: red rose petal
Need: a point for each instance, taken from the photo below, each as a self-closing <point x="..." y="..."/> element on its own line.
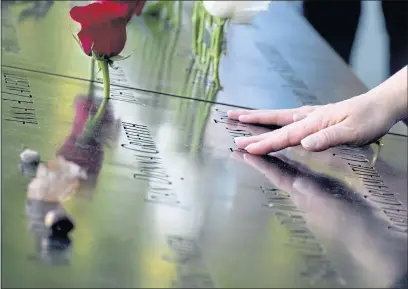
<point x="103" y="25"/>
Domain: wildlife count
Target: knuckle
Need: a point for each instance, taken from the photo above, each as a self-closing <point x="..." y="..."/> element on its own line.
<point x="325" y="136"/>
<point x="318" y="121"/>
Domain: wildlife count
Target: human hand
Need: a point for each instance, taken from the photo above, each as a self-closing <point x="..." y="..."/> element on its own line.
<point x="357" y="121"/>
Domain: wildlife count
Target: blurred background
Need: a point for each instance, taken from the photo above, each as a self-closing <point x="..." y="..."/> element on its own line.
<point x="370" y="65"/>
<point x="371" y="33"/>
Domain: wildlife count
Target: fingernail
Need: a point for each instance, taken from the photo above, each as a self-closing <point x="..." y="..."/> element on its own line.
<point x="238" y="139"/>
<point x="251" y="146"/>
<point x="309" y="143"/>
<point x="244" y="117"/>
<point x="299" y="116"/>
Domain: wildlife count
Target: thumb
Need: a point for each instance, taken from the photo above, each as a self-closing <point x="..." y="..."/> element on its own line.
<point x="329" y="137"/>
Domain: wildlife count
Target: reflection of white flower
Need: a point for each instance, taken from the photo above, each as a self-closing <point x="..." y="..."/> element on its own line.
<point x="56" y="180"/>
<point x="237" y="11"/>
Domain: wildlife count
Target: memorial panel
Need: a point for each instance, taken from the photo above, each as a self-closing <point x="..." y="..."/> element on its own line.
<point x="276" y="62"/>
<point x="161" y="197"/>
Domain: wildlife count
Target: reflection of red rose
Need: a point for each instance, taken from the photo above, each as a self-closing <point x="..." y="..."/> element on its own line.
<point x="103" y="27"/>
<point x="88" y="156"/>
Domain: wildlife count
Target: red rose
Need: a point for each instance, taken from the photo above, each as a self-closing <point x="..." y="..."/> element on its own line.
<point x="134" y="6"/>
<point x="103" y="25"/>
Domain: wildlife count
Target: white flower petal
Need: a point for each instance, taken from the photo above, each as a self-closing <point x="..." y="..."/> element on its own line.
<point x="237" y="11"/>
<point x="224" y="9"/>
<point x="247" y="10"/>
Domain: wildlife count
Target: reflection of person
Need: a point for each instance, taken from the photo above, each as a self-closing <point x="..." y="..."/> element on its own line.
<point x="77" y="165"/>
<point x="330" y="209"/>
<point x="359" y="120"/>
<point x="54" y="182"/>
<point x="337" y="22"/>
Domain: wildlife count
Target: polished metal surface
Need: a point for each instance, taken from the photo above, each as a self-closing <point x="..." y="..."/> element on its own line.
<point x="170" y="201"/>
<point x="277" y="62"/>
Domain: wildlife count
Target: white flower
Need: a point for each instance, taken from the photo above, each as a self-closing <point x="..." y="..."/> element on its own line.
<point x="240" y="12"/>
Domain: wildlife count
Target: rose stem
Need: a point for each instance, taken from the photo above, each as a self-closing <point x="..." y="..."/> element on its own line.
<point x="92" y="122"/>
<point x="179" y="13"/>
<point x="201" y="30"/>
<point x="225" y="31"/>
<point x="170" y="12"/>
<point x="217" y="52"/>
<point x="195" y="15"/>
<point x="106" y="89"/>
<point x="212" y="48"/>
<point x="91" y="85"/>
<point x="209" y="20"/>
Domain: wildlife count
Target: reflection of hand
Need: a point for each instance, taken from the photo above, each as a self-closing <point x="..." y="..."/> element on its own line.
<point x="358" y="120"/>
<point x="311" y="190"/>
<point x="331" y="209"/>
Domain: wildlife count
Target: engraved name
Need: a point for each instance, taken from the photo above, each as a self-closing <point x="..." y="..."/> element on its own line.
<point x="285" y="70"/>
<point x="377" y="189"/>
<point x="302" y="239"/>
<point x="17" y="92"/>
<point x="318" y="266"/>
<point x="221" y="117"/>
<point x="185" y="253"/>
<point x="151" y="169"/>
<point x="117" y="91"/>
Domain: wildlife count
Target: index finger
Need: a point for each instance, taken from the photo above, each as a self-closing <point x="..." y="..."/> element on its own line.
<point x="278" y="117"/>
<point x="236" y="113"/>
<point x="287" y="136"/>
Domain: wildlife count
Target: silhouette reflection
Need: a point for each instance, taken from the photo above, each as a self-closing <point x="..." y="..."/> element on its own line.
<point x="73" y="172"/>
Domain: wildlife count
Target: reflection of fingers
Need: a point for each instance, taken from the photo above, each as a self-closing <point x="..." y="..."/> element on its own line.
<point x="287" y="136"/>
<point x="301" y="195"/>
<point x="237" y="156"/>
<point x="305" y="186"/>
<point x="329" y="137"/>
<point x="273" y="172"/>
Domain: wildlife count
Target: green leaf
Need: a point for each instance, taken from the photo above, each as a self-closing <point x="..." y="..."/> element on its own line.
<point x="113" y="66"/>
<point x="94" y="55"/>
<point x="75" y="37"/>
<point x="119" y="57"/>
<point x="100" y="68"/>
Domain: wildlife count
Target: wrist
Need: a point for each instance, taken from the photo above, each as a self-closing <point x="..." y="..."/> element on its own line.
<point x="391" y="95"/>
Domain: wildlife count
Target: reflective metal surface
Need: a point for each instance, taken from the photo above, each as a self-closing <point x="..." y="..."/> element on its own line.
<point x="168" y="200"/>
<point x="277" y="62"/>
